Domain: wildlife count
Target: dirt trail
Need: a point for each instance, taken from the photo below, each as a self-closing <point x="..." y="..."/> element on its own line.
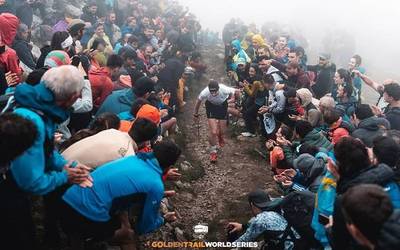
<point x="213" y="193"/>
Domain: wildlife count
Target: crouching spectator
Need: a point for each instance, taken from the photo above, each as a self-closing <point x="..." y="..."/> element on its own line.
<point x="370" y="217"/>
<point x="135" y="180"/>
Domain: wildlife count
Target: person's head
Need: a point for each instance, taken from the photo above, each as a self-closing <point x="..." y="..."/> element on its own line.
<point x="167" y="154"/>
<point x="282" y="41"/>
<point x="331" y="117"/>
<point x="355" y="62"/>
<point x="241" y="65"/>
<point x="92" y="7"/>
<point x="17" y="134"/>
<point x="291" y="95"/>
<point x="148" y="32"/>
<point x="61" y="41"/>
<point x="259" y="201"/>
<point x="8" y="28"/>
<point x="105" y="121"/>
<point x="99" y="44"/>
<point x="302" y="128"/>
<point x="326" y="103"/>
<point x="213" y="87"/>
<point x="261" y="52"/>
<point x="99" y="29"/>
<point x="147" y="50"/>
<point x="293" y="56"/>
<point x="263" y="63"/>
<point x="188" y="73"/>
<point x="253" y="70"/>
<point x="159" y="34"/>
<point x="143" y="130"/>
<point x="137" y="105"/>
<point x="146" y="21"/>
<point x="129" y="56"/>
<point x="351" y="156"/>
<point x="66" y="84"/>
<point x="366" y="208"/>
<point x="304" y="95"/>
<point x="386" y="150"/>
<point x="292" y="68"/>
<point x="307" y="148"/>
<point x="143" y="87"/>
<point x="342" y="76"/>
<point x="391" y="93"/>
<point x="268" y="81"/>
<point x="133" y="41"/>
<point x="112" y="17"/>
<point x="324" y="59"/>
<point x="300" y="52"/>
<point x="23" y="31"/>
<point x="35" y="76"/>
<point x="284" y="132"/>
<point x="131" y="22"/>
<point x="76" y="29"/>
<point x="57" y="58"/>
<point x="362" y="112"/>
<point x="114" y="63"/>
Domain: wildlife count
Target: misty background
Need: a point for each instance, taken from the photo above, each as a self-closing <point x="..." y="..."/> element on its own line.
<point x="375" y="25"/>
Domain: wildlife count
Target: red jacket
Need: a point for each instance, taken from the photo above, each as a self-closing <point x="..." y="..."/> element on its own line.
<point x="102" y="86"/>
<point x="9" y="62"/>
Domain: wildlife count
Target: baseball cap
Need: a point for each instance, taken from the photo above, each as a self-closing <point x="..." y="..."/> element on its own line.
<point x="261" y="199"/>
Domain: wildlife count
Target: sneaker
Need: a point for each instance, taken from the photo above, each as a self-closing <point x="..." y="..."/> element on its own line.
<point x="221" y="141"/>
<point x="248" y="134"/>
<point x="213" y="157"/>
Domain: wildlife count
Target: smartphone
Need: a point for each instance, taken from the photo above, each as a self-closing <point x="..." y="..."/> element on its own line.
<point x="323" y="219"/>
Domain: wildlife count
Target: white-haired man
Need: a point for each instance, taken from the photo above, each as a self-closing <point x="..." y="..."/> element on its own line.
<point x="40" y="169"/>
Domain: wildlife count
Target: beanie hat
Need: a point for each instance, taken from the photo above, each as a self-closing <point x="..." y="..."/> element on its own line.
<point x="8" y="28"/>
<point x="57" y="58"/>
<point x="305" y="96"/>
<point x="304" y="162"/>
<point x="149" y="112"/>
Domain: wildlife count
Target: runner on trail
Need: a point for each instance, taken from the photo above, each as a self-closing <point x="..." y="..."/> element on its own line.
<point x="216" y="96"/>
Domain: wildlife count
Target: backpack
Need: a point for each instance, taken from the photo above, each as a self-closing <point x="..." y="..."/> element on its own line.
<point x="298" y="208"/>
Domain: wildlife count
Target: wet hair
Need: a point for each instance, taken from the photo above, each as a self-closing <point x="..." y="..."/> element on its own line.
<point x="352" y="156"/>
<point x="114" y="61"/>
<point x="345" y="75"/>
<point x="167" y="153"/>
<point x="393" y="90"/>
<point x="268" y="79"/>
<point x="143" y="130"/>
<point x="17" y="134"/>
<point x="363" y="111"/>
<point x="331" y="116"/>
<point x="386" y="151"/>
<point x="35" y="76"/>
<point x="308" y="149"/>
<point x="367" y="207"/>
<point x="302" y="128"/>
<point x="358" y="59"/>
<point x="143" y="86"/>
<point x="137" y="105"/>
<point x="57" y="39"/>
<point x="97" y="42"/>
<point x="213" y="85"/>
<point x="287" y="132"/>
<point x="102" y="122"/>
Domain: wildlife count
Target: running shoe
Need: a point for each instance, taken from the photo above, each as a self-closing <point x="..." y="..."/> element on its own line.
<point x="213" y="157"/>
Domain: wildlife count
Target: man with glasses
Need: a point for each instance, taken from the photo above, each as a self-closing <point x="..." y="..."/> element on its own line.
<point x="216" y="96"/>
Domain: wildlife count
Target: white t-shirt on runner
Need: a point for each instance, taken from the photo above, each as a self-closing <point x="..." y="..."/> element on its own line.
<point x="223" y="93"/>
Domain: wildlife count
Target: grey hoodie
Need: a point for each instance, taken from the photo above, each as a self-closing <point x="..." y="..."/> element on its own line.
<point x="312" y="169"/>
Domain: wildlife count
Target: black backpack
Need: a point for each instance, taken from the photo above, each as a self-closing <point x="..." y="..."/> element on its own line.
<point x="297" y="208"/>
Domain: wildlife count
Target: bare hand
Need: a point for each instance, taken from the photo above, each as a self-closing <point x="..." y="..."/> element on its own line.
<point x="283" y="142"/>
<point x="169" y="193"/>
<point x="173" y="174"/>
<point x="376" y="110"/>
<point x="170" y="217"/>
<point x="356" y="73"/>
<point x="279" y="86"/>
<point x="234" y="227"/>
<point x="12" y="78"/>
<point x="57" y="137"/>
<point x="291" y="173"/>
<point x="263" y="110"/>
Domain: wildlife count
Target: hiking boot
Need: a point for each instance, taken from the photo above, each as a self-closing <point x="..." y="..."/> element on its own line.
<point x="248" y="134"/>
<point x="213" y="157"/>
<point x="221" y="141"/>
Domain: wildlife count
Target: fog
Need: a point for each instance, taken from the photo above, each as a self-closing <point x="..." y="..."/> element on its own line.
<point x="373" y="24"/>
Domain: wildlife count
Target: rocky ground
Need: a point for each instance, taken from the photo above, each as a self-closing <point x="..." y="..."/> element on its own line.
<point x="213" y="194"/>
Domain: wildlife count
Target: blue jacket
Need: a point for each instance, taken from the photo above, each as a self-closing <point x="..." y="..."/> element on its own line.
<point x="32" y="171"/>
<point x="115" y="184"/>
<point x="119" y="101"/>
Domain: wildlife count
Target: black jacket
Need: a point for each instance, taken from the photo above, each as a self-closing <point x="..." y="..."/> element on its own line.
<point x="389" y="236"/>
<point x="393" y="116"/>
<point x="44" y="51"/>
<point x="324" y="82"/>
<point x="24" y="53"/>
<point x="380" y="175"/>
<point x="370" y="128"/>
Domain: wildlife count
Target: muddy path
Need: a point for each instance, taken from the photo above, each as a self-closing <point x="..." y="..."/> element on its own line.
<point x="213" y="194"/>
